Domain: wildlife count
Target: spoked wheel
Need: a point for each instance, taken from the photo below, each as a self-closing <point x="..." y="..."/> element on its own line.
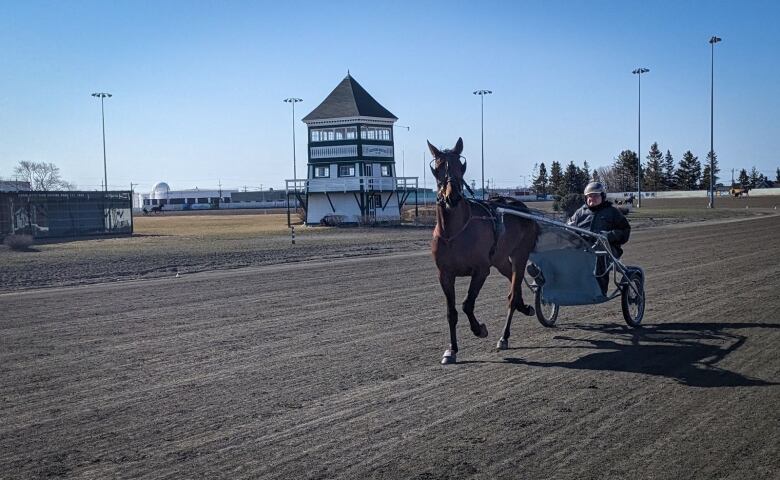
<point x="546" y="313"/>
<point x="632" y="299"/>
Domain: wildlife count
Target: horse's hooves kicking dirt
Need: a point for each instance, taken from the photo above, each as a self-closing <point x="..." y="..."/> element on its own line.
<point x="449" y="357"/>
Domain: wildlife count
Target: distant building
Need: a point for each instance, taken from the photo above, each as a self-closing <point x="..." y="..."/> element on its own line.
<point x="192" y="199"/>
<point x="200" y="199"/>
<point x="14" y="186"/>
<point x="351" y="160"/>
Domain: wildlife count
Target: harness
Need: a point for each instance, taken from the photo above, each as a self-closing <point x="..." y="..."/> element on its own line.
<point x="497" y="220"/>
<point x="488" y="207"/>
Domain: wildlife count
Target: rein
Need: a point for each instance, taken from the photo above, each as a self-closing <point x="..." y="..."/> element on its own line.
<point x="437" y="232"/>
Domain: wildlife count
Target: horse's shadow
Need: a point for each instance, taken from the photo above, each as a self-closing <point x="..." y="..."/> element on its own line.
<point x="685" y="352"/>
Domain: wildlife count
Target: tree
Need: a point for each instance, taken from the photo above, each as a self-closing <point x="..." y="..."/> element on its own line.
<point x="625" y="169"/>
<point x="654" y="174"/>
<point x="595" y="177"/>
<point x="572" y="180"/>
<point x="584" y="176"/>
<point x="541" y="181"/>
<point x="744" y="180"/>
<point x="609" y="177"/>
<point x="42" y="176"/>
<point x="755" y="177"/>
<point x="777" y="175"/>
<point x="688" y="172"/>
<point x="705" y="175"/>
<point x="668" y="167"/>
<point x="556" y="178"/>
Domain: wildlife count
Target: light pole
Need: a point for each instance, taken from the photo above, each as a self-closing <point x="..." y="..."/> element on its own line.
<point x="103" y="95"/>
<point x="293" y="101"/>
<point x="482" y="94"/>
<point x="638" y="72"/>
<point x="713" y="41"/>
<point x="403" y="154"/>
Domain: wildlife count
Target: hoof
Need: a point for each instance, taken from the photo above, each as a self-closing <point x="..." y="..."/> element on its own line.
<point x="483" y="333"/>
<point x="502" y="344"/>
<point x="449" y="357"/>
<point x="530" y="311"/>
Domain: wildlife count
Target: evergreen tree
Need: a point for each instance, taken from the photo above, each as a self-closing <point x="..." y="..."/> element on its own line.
<point x="653" y="174"/>
<point x="777" y="175"/>
<point x="755" y="178"/>
<point x="595" y="177"/>
<point x="625" y="171"/>
<point x="556" y="179"/>
<point x="583" y="177"/>
<point x="688" y="172"/>
<point x="744" y="180"/>
<point x="705" y="175"/>
<point x="669" y="182"/>
<point x="541" y="181"/>
<point x="571" y="180"/>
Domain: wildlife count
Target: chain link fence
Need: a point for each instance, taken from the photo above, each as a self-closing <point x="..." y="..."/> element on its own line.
<point x="65" y="214"/>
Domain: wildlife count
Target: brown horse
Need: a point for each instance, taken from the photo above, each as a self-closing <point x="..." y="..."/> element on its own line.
<point x="468" y="240"/>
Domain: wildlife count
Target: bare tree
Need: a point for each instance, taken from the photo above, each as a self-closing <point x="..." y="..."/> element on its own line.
<point x="611" y="178"/>
<point x="42" y="176"/>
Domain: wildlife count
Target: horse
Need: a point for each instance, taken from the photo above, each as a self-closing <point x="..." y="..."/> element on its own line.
<point x="468" y="239"/>
<point x="157" y="209"/>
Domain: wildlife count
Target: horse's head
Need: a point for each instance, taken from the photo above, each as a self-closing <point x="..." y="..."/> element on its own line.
<point x="448" y="171"/>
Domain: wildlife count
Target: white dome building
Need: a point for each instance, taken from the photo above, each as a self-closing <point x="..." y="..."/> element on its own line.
<point x="160" y="191"/>
<point x="162" y="196"/>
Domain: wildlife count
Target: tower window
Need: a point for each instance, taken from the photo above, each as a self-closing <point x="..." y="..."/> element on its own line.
<point x="374" y="133"/>
<point x="346" y="170"/>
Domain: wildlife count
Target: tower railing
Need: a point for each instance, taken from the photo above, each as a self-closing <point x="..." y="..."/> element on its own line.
<point x="351" y="184"/>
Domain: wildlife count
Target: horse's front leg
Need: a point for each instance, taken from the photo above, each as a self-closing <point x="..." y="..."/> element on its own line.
<point x="447" y="281"/>
<point x="477" y="281"/>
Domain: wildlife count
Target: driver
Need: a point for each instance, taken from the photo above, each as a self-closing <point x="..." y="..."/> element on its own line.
<point x="600" y="216"/>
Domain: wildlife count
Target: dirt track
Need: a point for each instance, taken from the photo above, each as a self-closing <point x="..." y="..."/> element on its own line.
<point x="330" y="370"/>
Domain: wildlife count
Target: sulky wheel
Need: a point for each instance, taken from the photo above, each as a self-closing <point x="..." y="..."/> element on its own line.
<point x="547" y="313"/>
<point x="632" y="298"/>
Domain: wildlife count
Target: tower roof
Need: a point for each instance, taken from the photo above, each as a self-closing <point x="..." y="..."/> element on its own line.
<point x="349" y="99"/>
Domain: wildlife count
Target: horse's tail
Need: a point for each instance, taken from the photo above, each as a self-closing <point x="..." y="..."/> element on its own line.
<point x="537" y="234"/>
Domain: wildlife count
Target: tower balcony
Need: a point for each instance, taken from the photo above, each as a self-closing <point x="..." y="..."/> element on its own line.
<point x="351" y="184"/>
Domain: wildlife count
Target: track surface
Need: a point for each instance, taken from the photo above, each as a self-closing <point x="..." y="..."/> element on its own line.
<point x="330" y="370"/>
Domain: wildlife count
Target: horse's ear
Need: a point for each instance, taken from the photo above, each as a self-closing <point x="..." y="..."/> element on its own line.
<point x="433" y="171"/>
<point x="464" y="167"/>
<point x="458" y="147"/>
<point x="434" y="151"/>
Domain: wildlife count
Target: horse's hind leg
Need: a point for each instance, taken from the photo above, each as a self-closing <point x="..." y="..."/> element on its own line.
<point x="477" y="281"/>
<point x="515" y="302"/>
<point x="447" y="282"/>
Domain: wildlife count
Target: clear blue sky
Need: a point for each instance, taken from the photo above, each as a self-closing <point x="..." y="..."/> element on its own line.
<point x="198" y="86"/>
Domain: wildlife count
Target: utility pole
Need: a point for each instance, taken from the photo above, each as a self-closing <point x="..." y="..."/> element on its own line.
<point x="638" y="72"/>
<point x="101" y="96"/>
<point x="482" y="94"/>
<point x="292" y="101"/>
<point x="713" y="41"/>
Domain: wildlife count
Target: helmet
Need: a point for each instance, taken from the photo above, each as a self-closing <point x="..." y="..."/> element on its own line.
<point x="595" y="187"/>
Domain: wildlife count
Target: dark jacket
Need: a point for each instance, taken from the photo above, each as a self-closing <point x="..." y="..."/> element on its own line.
<point x="604" y="219"/>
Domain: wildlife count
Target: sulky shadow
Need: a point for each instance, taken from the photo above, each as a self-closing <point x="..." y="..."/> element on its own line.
<point x="685" y="352"/>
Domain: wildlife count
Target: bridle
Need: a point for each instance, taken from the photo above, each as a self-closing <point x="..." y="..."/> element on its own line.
<point x="441" y="185"/>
